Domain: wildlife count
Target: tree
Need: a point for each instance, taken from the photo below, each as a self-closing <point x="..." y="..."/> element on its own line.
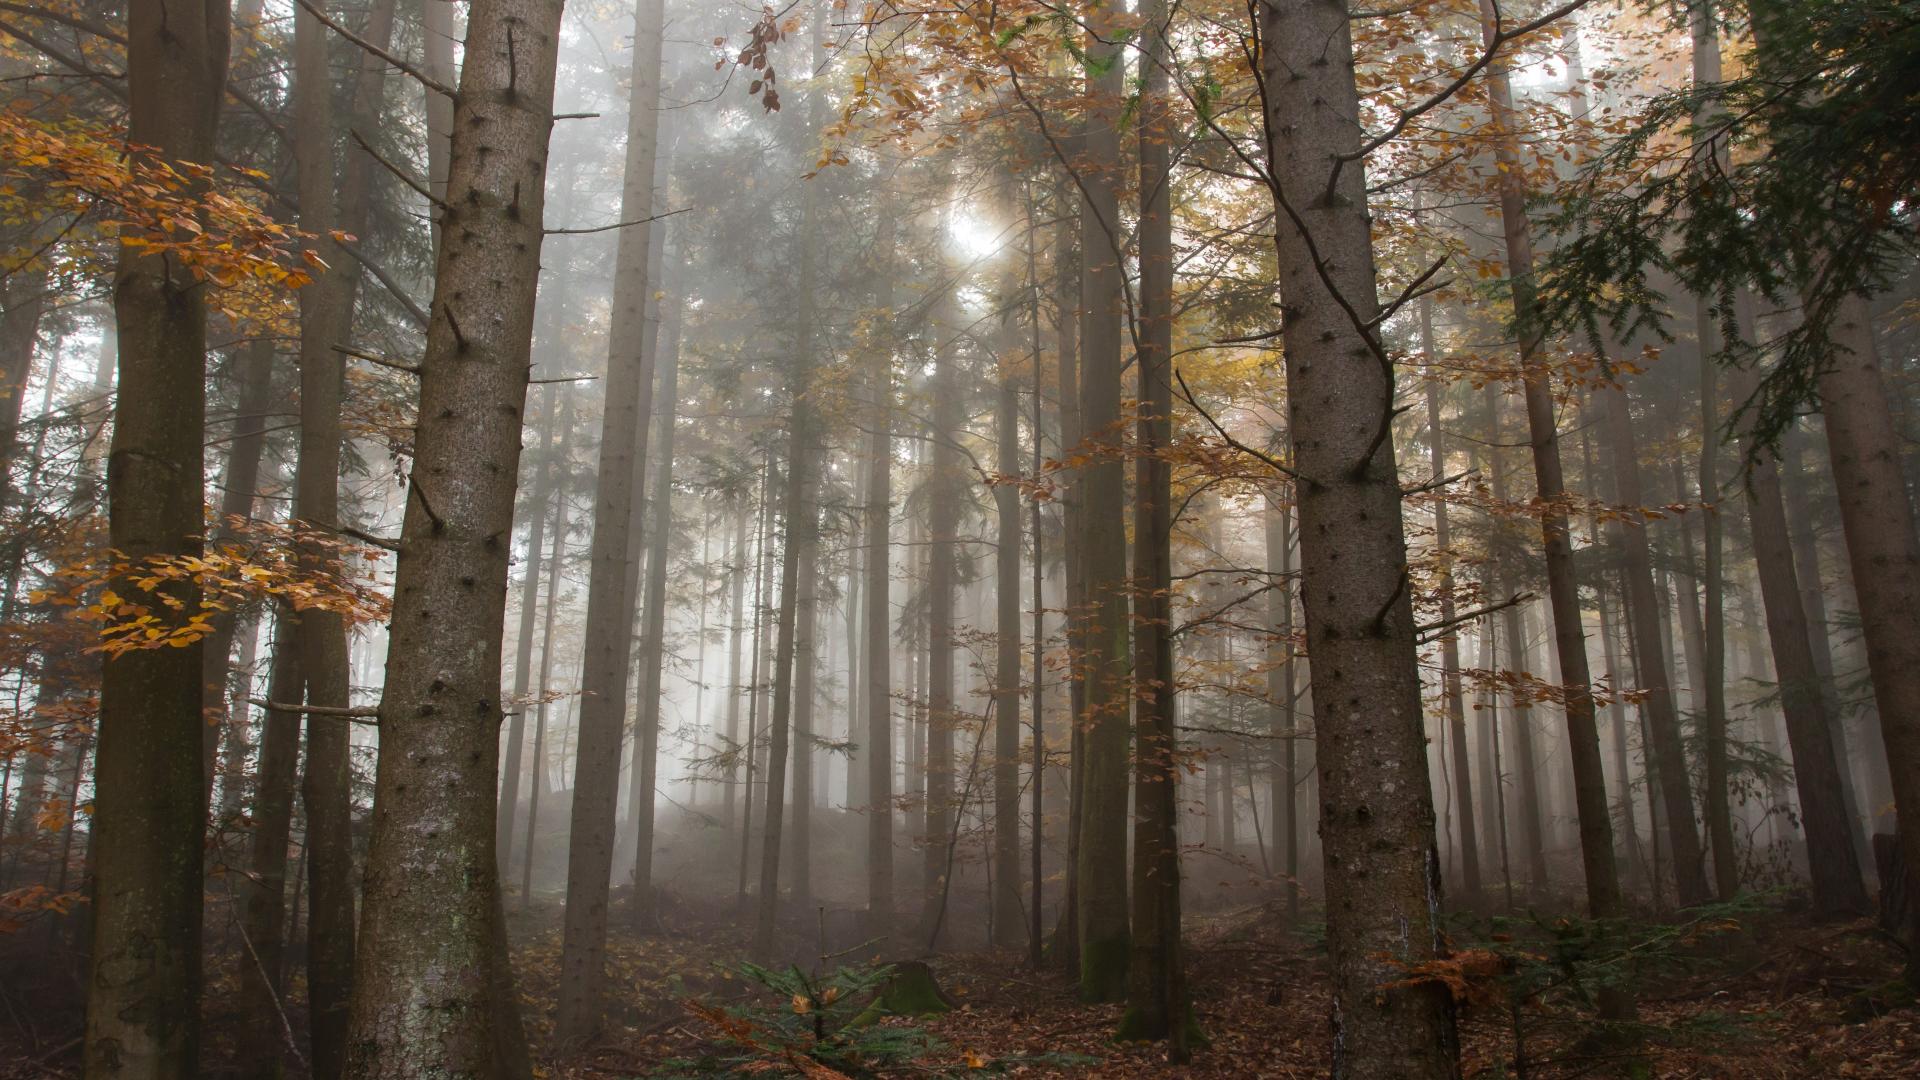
<point x="1101" y="859"/>
<point x="150" y="805"/>
<point x="432" y="916"/>
<point x="1156" y="991"/>
<point x="1376" y="803"/>
<point x="610" y="606"/>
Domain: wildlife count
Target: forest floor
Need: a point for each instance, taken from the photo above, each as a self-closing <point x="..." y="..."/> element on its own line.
<point x="1770" y="994"/>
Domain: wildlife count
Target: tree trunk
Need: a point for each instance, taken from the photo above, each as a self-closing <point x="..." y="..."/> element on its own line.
<point x="944" y="491"/>
<point x="262" y="977"/>
<point x="1156" y="987"/>
<point x="610" y="606"/>
<point x="150" y="806"/>
<point x="801" y="519"/>
<point x="515" y="763"/>
<point x="1563" y="586"/>
<point x="1884" y="554"/>
<point x="652" y="637"/>
<point x="1450" y="687"/>
<point x="1813" y="604"/>
<point x="1832" y="862"/>
<point x="433" y="996"/>
<point x="1101" y="880"/>
<point x="555" y="557"/>
<point x="1282" y="690"/>
<point x="1650" y="662"/>
<point x="1376" y="804"/>
<point x="23" y="300"/>
<point x="878" y="520"/>
<point x="1009" y="928"/>
<point x="240" y="483"/>
<point x="1069" y="285"/>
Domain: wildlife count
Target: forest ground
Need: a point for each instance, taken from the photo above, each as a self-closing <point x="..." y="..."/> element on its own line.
<point x="1776" y="997"/>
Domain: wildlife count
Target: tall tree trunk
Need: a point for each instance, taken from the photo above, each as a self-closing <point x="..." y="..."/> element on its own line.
<point x="1008" y="926"/>
<point x="1450" y="686"/>
<point x="945" y="489"/>
<point x="432" y="916"/>
<point x="1884" y="553"/>
<point x="23" y="301"/>
<point x="1838" y="888"/>
<point x="1101" y="879"/>
<point x="150" y="807"/>
<point x="1376" y="803"/>
<point x="556" y="556"/>
<point x="878" y="520"/>
<point x="1813" y="604"/>
<point x="240" y="482"/>
<point x="1070" y="316"/>
<point x="262" y="980"/>
<point x="736" y="611"/>
<point x="805" y="658"/>
<point x="1282" y="689"/>
<point x="326" y="318"/>
<point x="1156" y="988"/>
<point x="610" y="606"/>
<point x="515" y="763"/>
<point x="1666" y="752"/>
<point x="1563" y="585"/>
<point x="1520" y="713"/>
<point x="652" y="637"/>
<point x="800" y="519"/>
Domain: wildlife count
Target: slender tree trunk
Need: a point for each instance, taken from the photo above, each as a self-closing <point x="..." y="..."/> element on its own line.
<point x="515" y="763"/>
<point x="1156" y="989"/>
<point x="1376" y="805"/>
<point x="610" y="606"/>
<point x="262" y="980"/>
<point x="326" y="318"/>
<point x="652" y="637"/>
<point x="23" y="301"/>
<point x="1101" y="880"/>
<point x="878" y="521"/>
<point x="805" y="658"/>
<point x="800" y="518"/>
<point x="1563" y="586"/>
<point x="555" y="557"/>
<point x="944" y="491"/>
<point x="736" y="608"/>
<point x="1009" y="931"/>
<point x="1036" y="876"/>
<point x="150" y="807"/>
<point x="1838" y="888"/>
<point x="1450" y="687"/>
<point x="1813" y="604"/>
<point x="433" y="915"/>
<point x="1282" y="690"/>
<point x="240" y="482"/>
<point x="1069" y="286"/>
<point x="1650" y="662"/>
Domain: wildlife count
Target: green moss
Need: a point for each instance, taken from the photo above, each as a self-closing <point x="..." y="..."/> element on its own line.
<point x="911" y="991"/>
<point x="1103" y="969"/>
<point x="1136" y="1025"/>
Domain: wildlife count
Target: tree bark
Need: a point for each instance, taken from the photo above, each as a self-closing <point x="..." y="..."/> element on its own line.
<point x="652" y="636"/>
<point x="1376" y="817"/>
<point x="515" y="763"/>
<point x="1884" y="553"/>
<point x="1157" y="1005"/>
<point x="1008" y="926"/>
<point x="432" y="995"/>
<point x="1450" y="685"/>
<point x="1563" y="585"/>
<point x="150" y="803"/>
<point x="610" y="601"/>
<point x="1101" y="857"/>
<point x="878" y="520"/>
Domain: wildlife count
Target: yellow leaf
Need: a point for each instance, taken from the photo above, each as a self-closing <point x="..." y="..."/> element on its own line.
<point x="801" y="1006"/>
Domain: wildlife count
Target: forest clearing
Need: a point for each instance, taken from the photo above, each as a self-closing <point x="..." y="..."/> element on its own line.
<point x="896" y="538"/>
